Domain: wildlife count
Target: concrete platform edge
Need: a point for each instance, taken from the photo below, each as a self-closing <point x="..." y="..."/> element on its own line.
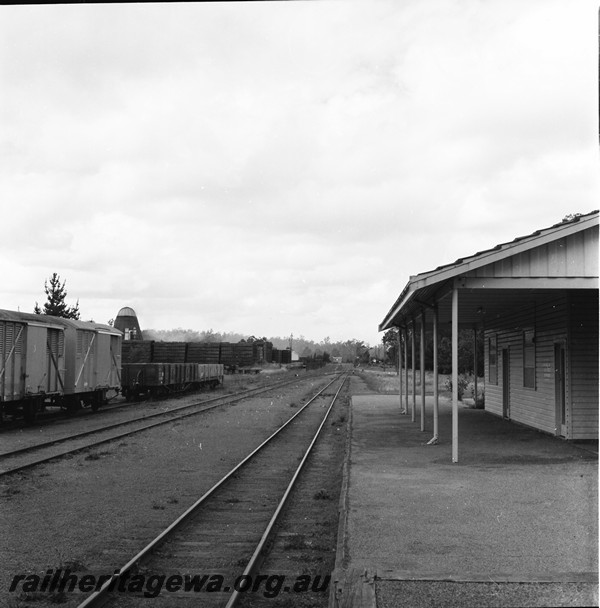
<point x="349" y="587"/>
<point x="553" y="577"/>
<point x="338" y="575"/>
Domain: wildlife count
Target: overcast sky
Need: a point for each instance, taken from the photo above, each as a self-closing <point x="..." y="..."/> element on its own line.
<point x="284" y="167"/>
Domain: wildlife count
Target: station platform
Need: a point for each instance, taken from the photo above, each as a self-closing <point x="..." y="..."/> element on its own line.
<point x="513" y="523"/>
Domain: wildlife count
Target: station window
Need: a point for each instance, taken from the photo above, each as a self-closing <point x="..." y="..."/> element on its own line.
<point x="492" y="360"/>
<point x="529" y="358"/>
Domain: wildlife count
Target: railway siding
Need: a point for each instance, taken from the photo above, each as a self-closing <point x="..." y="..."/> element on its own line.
<point x="305" y="541"/>
<point x="84" y="510"/>
<point x="38" y="452"/>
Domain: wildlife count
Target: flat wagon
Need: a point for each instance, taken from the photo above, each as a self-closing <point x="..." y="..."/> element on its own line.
<point x="154" y="379"/>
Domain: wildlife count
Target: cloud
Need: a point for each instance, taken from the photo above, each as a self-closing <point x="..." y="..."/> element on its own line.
<point x="284" y="167"/>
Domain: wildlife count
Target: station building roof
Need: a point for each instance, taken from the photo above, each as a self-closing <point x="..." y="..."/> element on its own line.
<point x="562" y="256"/>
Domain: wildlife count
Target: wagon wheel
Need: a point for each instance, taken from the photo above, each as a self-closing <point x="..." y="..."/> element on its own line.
<point x="97" y="400"/>
<point x="73" y="405"/>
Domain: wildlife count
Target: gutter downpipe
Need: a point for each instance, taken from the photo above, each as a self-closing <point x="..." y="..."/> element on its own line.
<point x="455" y="374"/>
<point x="422" y="369"/>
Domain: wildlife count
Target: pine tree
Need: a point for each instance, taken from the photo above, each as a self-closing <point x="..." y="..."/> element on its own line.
<point x="56" y="305"/>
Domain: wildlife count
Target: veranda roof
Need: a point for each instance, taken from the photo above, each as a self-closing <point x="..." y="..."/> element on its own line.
<point x="563" y="256"/>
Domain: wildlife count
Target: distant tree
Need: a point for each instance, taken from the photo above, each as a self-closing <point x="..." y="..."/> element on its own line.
<point x="465" y="352"/>
<point x="209" y="336"/>
<point x="363" y="354"/>
<point x="55" y="304"/>
<point x="390" y="341"/>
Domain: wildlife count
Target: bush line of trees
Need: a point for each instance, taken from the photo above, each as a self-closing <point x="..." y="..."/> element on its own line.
<point x="351" y="351"/>
<point x="465" y="350"/>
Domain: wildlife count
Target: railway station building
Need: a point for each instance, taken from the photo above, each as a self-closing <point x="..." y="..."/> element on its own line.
<point x="536" y="301"/>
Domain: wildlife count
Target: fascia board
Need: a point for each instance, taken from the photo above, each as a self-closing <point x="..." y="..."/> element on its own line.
<point x="409" y="293"/>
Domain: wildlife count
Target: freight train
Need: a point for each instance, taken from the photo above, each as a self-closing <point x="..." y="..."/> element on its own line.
<point x="160" y="379"/>
<point x="71" y="364"/>
<point x="233" y="356"/>
<point x="54" y="361"/>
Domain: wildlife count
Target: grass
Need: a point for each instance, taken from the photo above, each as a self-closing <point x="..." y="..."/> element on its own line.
<point x="295" y="541"/>
<point x="339" y="421"/>
<point x="388" y="382"/>
<point x="58" y="597"/>
<point x="97" y="455"/>
<point x="74" y="565"/>
<point x="322" y="495"/>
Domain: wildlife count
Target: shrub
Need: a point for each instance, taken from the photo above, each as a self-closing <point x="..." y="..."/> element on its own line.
<point x="463" y="382"/>
<point x="466" y="384"/>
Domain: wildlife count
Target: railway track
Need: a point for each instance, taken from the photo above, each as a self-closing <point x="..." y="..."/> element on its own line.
<point x="213" y="552"/>
<point x="40" y="452"/>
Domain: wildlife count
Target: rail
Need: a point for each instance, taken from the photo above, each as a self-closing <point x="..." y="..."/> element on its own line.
<point x="167" y="417"/>
<point x="99" y="597"/>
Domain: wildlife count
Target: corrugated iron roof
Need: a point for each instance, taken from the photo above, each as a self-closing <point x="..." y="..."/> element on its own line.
<point x="575" y="219"/>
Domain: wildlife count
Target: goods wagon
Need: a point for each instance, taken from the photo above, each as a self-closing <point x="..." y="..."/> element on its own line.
<point x="160" y="378"/>
<point x="32" y="352"/>
<point x="283" y="357"/>
<point x="92" y="363"/>
<point x="232" y="355"/>
<point x="53" y="361"/>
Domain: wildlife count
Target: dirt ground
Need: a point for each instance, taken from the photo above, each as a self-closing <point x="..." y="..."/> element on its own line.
<point x="70" y="513"/>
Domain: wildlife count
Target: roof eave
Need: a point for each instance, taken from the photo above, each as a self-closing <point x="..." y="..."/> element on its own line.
<point x="404" y="298"/>
<point x="451" y="271"/>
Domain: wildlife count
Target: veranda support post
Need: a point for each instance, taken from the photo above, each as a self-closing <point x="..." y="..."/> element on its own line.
<point x="455" y="374"/>
<point x="436" y="404"/>
<point x="475" y="370"/>
<point x="406" y="368"/>
<point x="414" y="373"/>
<point x="422" y="369"/>
<point x="402" y="410"/>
